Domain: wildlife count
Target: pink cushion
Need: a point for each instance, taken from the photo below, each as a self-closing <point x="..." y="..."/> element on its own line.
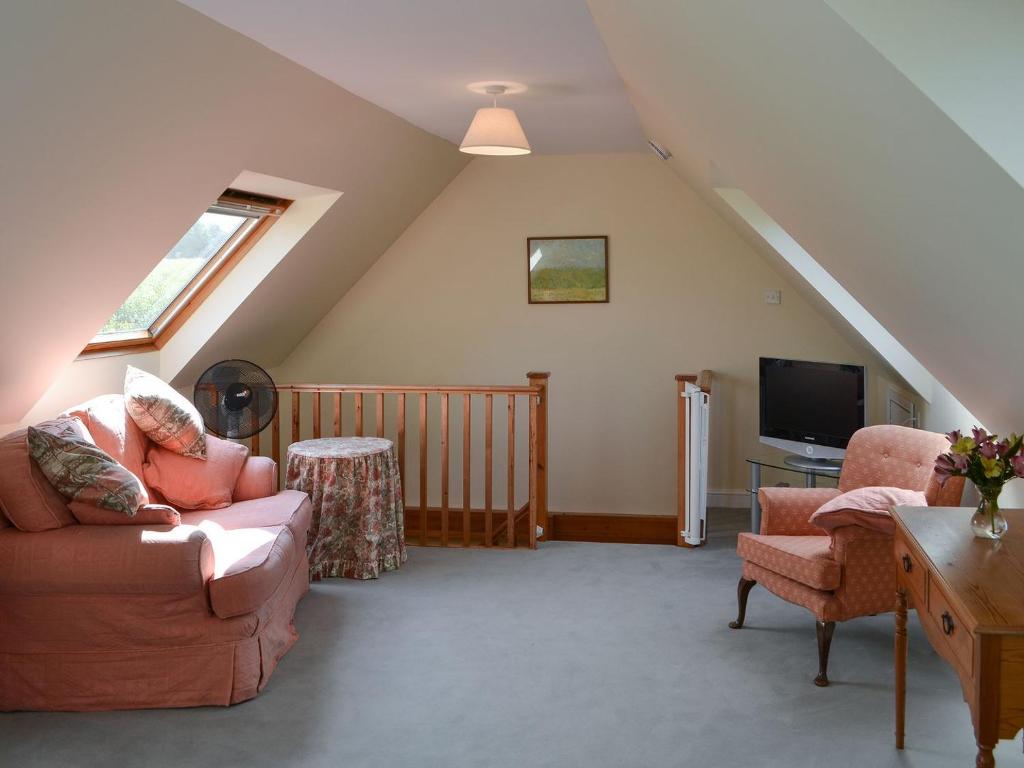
<point x="288" y="508"/>
<point x="114" y="431"/>
<point x="147" y="514"/>
<point x="26" y="497"/>
<point x="866" y="507"/>
<point x="189" y="483"/>
<point x="249" y="565"/>
<point x="167" y="418"/>
<point x="806" y="559"/>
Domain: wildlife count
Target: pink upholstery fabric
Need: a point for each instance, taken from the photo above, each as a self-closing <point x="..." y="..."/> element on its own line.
<point x="189" y="483"/>
<point x="288" y="508"/>
<point x="114" y="431"/>
<point x="257" y="480"/>
<point x="249" y="566"/>
<point x="876" y="456"/>
<point x="105" y="560"/>
<point x="147" y="514"/>
<point x="867" y="507"/>
<point x="96" y="617"/>
<point x="900" y="457"/>
<point x="787" y="511"/>
<point x="806" y="559"/>
<point x="822" y="604"/>
<point x="26" y="497"/>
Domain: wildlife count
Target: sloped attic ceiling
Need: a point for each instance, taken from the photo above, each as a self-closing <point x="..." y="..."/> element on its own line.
<point x="881" y="186"/>
<point x="123" y="121"/>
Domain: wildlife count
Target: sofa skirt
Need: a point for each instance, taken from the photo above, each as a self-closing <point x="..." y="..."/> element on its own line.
<point x="183" y="659"/>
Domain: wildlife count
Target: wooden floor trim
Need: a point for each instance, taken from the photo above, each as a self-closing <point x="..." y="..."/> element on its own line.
<point x="613" y="528"/>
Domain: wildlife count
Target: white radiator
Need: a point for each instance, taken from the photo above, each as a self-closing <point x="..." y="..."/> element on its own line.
<point x="696" y="499"/>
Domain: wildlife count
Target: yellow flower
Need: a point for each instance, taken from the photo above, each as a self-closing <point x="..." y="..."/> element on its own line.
<point x="992" y="467"/>
<point x="964" y="445"/>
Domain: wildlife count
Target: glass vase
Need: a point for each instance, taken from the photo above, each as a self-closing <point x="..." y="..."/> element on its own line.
<point x="988" y="522"/>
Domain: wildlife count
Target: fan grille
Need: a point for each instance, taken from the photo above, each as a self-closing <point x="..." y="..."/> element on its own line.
<point x="236" y="398"/>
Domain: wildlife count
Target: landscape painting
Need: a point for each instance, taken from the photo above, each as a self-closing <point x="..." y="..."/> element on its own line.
<point x="567" y="270"/>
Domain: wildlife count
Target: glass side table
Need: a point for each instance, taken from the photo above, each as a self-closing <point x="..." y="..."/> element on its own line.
<point x="811" y="469"/>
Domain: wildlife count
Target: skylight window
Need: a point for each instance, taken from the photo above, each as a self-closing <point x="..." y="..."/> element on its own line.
<point x="188" y="273"/>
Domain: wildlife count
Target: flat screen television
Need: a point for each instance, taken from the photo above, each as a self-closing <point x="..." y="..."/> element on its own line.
<point x="811" y="409"/>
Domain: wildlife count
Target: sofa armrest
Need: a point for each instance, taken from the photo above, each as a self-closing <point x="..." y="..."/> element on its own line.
<point x="786" y="511"/>
<point x="105" y="559"/>
<point x="257" y="480"/>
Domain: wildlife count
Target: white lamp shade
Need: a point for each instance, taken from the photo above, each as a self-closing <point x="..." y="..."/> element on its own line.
<point x="495" y="131"/>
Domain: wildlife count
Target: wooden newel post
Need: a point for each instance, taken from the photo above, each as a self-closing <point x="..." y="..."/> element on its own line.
<point x="540" y="379"/>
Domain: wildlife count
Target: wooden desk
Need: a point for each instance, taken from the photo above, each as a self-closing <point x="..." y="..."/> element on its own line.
<point x="969" y="595"/>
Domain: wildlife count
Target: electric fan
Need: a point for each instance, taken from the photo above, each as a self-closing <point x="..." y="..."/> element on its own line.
<point x="236" y="398"/>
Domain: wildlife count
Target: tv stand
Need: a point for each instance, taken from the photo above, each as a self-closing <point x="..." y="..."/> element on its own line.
<point x="828" y="466"/>
<point x="810" y="468"/>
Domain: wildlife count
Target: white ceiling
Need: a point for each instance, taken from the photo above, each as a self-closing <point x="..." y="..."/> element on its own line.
<point x="415" y="58"/>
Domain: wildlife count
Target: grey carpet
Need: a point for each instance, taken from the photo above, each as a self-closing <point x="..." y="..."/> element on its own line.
<point x="575" y="655"/>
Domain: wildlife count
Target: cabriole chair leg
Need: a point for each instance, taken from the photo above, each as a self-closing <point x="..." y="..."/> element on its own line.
<point x="742" y="591"/>
<point x="825" y="630"/>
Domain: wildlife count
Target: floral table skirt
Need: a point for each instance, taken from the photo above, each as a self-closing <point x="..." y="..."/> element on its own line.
<point x="358" y="521"/>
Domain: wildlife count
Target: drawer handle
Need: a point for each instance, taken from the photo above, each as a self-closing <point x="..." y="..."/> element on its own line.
<point x="947" y="623"/>
<point x="907" y="563"/>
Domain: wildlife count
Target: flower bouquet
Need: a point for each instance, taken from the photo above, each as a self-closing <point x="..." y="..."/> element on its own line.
<point x="989" y="463"/>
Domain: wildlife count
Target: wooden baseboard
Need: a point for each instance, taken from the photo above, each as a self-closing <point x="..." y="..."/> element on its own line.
<point x="612" y="528"/>
<point x="477" y="527"/>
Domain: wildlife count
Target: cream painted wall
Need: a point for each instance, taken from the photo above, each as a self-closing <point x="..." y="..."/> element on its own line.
<point x="122" y="122"/>
<point x="447" y="304"/>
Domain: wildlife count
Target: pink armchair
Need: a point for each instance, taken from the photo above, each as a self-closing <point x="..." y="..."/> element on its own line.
<point x="851" y="571"/>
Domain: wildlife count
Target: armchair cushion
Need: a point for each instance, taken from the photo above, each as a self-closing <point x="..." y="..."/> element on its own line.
<point x="805" y="559"/>
<point x="866" y="507"/>
<point x="167" y="418"/>
<point x="787" y="511"/>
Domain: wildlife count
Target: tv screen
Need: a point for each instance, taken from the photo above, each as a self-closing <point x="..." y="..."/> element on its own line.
<point x="813" y="403"/>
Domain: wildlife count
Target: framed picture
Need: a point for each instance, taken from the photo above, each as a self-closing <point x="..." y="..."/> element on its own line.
<point x="567" y="270"/>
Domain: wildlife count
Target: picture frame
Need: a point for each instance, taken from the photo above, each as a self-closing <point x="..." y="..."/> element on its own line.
<point x="569" y="269"/>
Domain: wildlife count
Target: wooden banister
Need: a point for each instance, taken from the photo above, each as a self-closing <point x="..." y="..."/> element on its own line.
<point x="521" y="524"/>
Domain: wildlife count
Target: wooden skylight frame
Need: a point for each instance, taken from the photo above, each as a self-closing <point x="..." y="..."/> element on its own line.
<point x="263" y="211"/>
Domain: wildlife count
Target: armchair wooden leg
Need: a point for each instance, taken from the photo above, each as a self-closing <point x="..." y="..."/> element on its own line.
<point x="742" y="591"/>
<point x="825" y="630"/>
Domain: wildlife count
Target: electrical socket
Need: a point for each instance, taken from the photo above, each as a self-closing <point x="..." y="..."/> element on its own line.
<point x="773" y="297"/>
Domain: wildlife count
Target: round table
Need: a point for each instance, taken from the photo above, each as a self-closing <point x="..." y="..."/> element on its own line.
<point x="354" y="484"/>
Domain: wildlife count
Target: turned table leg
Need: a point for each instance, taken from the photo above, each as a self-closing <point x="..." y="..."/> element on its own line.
<point x="901" y="664"/>
<point x="985" y="758"/>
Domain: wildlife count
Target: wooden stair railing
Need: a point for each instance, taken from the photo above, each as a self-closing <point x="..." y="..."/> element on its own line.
<point x="443" y="525"/>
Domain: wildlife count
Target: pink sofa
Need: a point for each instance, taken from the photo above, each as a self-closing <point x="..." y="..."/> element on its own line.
<point x="97" y="617"/>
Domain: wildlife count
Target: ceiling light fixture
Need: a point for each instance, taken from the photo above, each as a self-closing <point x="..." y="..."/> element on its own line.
<point x="495" y="130"/>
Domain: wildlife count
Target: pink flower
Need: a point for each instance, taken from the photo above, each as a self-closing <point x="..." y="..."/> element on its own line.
<point x="953" y="436"/>
<point x="1017" y="462"/>
<point x="988" y="449"/>
<point x="944" y="467"/>
<point x="980" y="435"/>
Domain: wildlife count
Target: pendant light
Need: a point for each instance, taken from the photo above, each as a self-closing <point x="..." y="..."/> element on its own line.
<point x="495" y="130"/>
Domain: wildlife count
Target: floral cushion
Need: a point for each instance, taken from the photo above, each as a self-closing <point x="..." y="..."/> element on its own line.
<point x="82" y="472"/>
<point x="167" y="418"/>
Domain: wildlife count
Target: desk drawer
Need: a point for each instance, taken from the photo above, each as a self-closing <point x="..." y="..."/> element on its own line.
<point x="951" y="629"/>
<point x="911" y="572"/>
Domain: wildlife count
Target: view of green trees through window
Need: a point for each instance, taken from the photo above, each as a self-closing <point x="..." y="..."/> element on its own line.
<point x="174" y="272"/>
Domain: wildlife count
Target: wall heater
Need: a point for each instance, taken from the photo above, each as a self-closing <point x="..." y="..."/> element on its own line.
<point x="695" y="501"/>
